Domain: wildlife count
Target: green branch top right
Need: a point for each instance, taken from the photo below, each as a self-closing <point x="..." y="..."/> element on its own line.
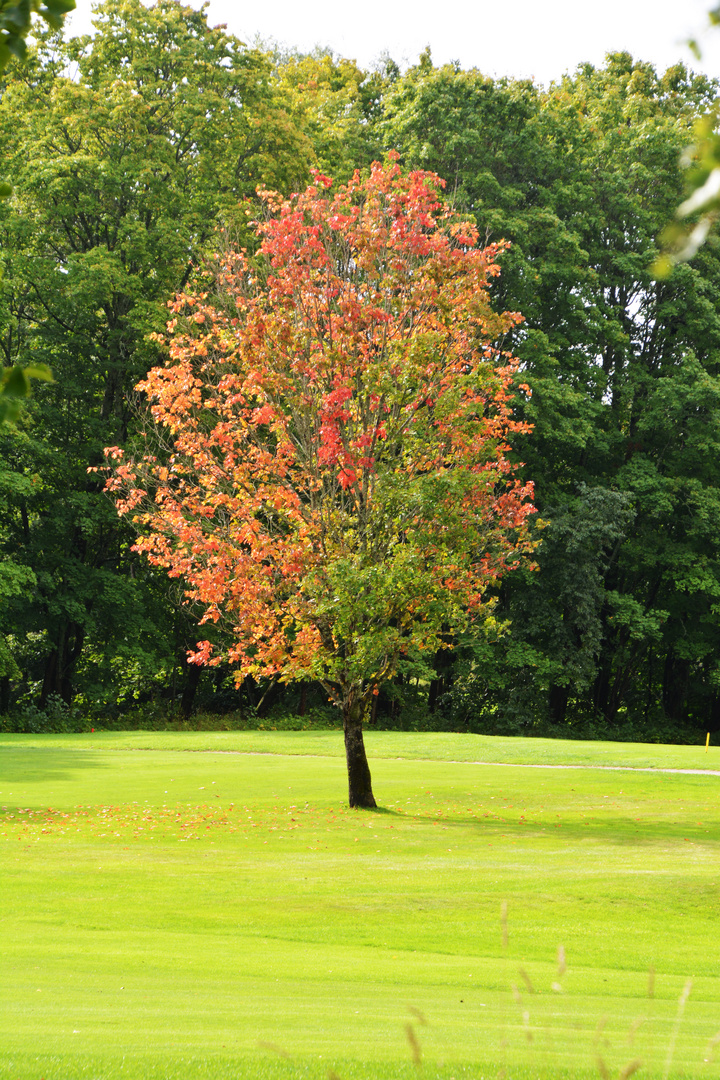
<point x="696" y="215"/>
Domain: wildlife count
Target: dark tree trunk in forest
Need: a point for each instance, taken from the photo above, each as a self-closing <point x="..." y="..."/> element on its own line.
<point x="558" y="703"/>
<point x="443" y="677"/>
<point x="434" y="694"/>
<point x="60" y="664"/>
<point x="601" y="685"/>
<point x="676" y="680"/>
<point x="50" y="678"/>
<point x="194" y="671"/>
<point x="359" y="781"/>
<point x="714" y="713"/>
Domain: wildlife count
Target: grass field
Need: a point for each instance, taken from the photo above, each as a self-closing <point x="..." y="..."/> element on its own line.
<point x="221" y="914"/>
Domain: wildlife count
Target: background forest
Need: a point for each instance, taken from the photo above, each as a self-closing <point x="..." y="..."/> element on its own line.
<point x="136" y="154"/>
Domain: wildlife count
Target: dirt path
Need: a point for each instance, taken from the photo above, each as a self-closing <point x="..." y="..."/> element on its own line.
<point x="502" y="764"/>
<point x="434" y="761"/>
<point x="598" y="768"/>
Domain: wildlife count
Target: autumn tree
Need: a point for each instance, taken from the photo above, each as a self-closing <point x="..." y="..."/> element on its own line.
<point x="331" y="480"/>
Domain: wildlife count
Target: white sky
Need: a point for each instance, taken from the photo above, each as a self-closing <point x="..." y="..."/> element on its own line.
<point x="539" y="39"/>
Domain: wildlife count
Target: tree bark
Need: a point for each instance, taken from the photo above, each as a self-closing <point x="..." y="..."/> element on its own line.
<point x="359" y="781"/>
<point x="443" y="677"/>
<point x="60" y="663"/>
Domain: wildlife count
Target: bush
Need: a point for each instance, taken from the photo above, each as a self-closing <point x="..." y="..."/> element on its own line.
<point x="57" y="717"/>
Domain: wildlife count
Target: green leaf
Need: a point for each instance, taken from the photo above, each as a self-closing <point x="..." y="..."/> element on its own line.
<point x="15" y="382"/>
<point x="39" y="371"/>
<point x="694" y="48"/>
<point x="54" y="11"/>
<point x="15" y="386"/>
<point x="60" y="7"/>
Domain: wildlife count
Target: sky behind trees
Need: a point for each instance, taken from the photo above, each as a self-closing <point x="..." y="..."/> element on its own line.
<point x="520" y="38"/>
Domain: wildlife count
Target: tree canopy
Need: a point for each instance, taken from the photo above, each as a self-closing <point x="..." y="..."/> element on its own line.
<point x="332" y="478"/>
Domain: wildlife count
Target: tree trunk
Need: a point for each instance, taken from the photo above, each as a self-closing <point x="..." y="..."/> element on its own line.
<point x="676" y="679"/>
<point x="60" y="663"/>
<point x="558" y="703"/>
<point x="50" y="683"/>
<point x="359" y="780"/>
<point x="4" y="693"/>
<point x="443" y="677"/>
<point x="192" y="679"/>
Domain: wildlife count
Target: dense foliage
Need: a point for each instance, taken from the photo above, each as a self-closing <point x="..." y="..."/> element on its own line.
<point x="135" y="156"/>
<point x="331" y="477"/>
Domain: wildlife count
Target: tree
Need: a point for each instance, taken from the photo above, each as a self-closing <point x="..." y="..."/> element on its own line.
<point x="331" y="480"/>
<point x="337" y="105"/>
<point x="15" y="23"/>
<point x="618" y="623"/>
<point x="121" y="176"/>
<point x="635" y="361"/>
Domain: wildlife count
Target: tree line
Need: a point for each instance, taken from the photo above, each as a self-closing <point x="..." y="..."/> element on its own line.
<point x="135" y="157"/>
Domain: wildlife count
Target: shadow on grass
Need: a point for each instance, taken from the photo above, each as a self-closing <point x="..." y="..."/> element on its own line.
<point x="33" y="766"/>
<point x="621" y="831"/>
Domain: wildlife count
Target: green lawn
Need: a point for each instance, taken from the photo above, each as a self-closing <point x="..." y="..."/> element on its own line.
<point x="175" y="914"/>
